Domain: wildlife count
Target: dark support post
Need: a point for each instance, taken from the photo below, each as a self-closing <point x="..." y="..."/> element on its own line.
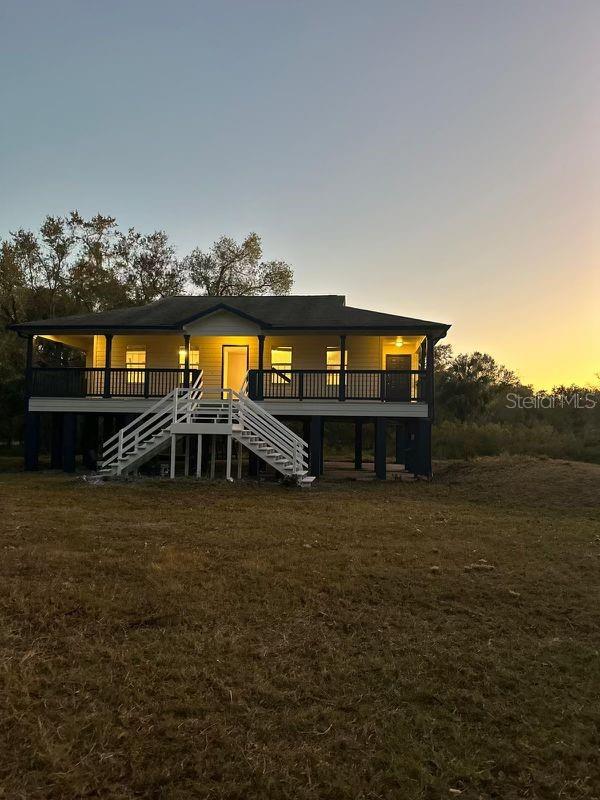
<point x="186" y="363"/>
<point x="108" y="426"/>
<point x="56" y="441"/>
<point x="89" y="436"/>
<point x="380" y="435"/>
<point x="423" y="449"/>
<point x="69" y="441"/>
<point x="28" y="371"/>
<point x="32" y="419"/>
<point x="261" y="366"/>
<point x="358" y="443"/>
<point x="430" y="375"/>
<point x="306" y="429"/>
<point x="409" y="446"/>
<point x="400" y="439"/>
<point x="315" y="447"/>
<point x="107" y="363"/>
<point x="253" y="465"/>
<point x="32" y="440"/>
<point x="342" y="366"/>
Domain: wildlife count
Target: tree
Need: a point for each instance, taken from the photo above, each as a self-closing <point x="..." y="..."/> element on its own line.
<point x="147" y="267"/>
<point x="470" y="382"/>
<point x="229" y="268"/>
<point x="94" y="280"/>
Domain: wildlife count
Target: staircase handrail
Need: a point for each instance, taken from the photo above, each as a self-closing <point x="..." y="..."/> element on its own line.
<point x="120" y="443"/>
<point x="273" y="421"/>
<point x="196" y="385"/>
<point x="252" y="416"/>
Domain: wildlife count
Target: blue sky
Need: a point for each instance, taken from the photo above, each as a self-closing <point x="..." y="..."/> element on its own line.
<point x="435" y="159"/>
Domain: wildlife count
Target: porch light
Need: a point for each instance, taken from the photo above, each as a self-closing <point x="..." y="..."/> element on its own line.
<point x="399" y="341"/>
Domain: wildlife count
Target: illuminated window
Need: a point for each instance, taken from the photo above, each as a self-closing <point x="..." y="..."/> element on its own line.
<point x="281" y="359"/>
<point x="194" y="358"/>
<point x="135" y="361"/>
<point x="334" y="364"/>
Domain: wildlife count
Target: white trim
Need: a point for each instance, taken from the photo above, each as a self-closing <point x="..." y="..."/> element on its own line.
<point x="215" y="428"/>
<point x="325" y="408"/>
<point x="348" y="408"/>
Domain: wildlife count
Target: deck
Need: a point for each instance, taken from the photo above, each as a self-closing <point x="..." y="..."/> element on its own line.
<point x="371" y="393"/>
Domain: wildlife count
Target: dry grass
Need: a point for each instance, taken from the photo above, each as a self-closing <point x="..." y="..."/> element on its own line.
<point x="351" y="641"/>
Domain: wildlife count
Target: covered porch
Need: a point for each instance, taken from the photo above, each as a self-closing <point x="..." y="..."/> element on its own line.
<point x="282" y="368"/>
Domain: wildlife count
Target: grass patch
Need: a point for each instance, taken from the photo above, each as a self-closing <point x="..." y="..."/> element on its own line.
<point x="352" y="641"/>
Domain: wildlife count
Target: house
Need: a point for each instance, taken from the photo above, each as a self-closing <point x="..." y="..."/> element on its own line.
<point x="250" y="369"/>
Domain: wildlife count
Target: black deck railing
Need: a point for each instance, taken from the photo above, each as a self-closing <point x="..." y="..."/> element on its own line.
<point x="93" y="382"/>
<point x="406" y="386"/>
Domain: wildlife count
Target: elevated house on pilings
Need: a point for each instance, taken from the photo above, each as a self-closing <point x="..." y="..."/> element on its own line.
<point x="245" y="368"/>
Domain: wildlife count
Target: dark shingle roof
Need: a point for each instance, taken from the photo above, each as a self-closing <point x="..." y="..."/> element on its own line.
<point x="287" y="312"/>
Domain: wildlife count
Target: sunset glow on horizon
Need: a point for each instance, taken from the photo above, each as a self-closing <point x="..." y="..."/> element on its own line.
<point x="435" y="160"/>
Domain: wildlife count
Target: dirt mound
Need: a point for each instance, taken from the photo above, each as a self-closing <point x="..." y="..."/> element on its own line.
<point x="551" y="483"/>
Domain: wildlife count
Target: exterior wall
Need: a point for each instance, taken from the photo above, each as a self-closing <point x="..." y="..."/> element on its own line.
<point x="162" y="352"/>
<point x="211" y="354"/>
<point x="308" y="351"/>
<point x="364" y="352"/>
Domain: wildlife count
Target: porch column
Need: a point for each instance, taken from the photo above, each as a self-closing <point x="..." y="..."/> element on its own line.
<point x="430" y="375"/>
<point x="342" y="386"/>
<point x="28" y="370"/>
<point x="32" y="440"/>
<point x="423" y="449"/>
<point x="410" y="445"/>
<point x="186" y="363"/>
<point x="358" y="443"/>
<point x="56" y="441"/>
<point x="400" y="439"/>
<point x="253" y="465"/>
<point x="261" y="366"/>
<point x="315" y="447"/>
<point x="69" y="441"/>
<point x="89" y="436"/>
<point x="380" y="447"/>
<point x="32" y="419"/>
<point x="108" y="337"/>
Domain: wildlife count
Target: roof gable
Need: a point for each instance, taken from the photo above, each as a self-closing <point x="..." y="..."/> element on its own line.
<point x="220" y="321"/>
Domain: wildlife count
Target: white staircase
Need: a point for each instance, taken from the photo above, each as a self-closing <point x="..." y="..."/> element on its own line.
<point x="188" y="412"/>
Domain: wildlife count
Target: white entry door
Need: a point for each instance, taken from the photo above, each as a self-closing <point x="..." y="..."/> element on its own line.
<point x="235" y="365"/>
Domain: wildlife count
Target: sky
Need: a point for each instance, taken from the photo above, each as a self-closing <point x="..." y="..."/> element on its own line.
<point x="432" y="159"/>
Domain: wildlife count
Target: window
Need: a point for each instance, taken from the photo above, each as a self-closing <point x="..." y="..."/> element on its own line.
<point x="194" y="358"/>
<point x="135" y="361"/>
<point x="281" y="359"/>
<point x="334" y="362"/>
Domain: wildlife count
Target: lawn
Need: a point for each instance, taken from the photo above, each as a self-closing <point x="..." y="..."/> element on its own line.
<point x="354" y="640"/>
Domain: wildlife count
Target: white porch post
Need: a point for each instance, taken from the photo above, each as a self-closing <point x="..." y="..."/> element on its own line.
<point x="186" y="468"/>
<point x="239" y="461"/>
<point x="173" y="454"/>
<point x="228" y="467"/>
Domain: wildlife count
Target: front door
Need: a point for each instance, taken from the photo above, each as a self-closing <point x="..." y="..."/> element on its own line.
<point x="235" y="365"/>
<point x="397" y="386"/>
